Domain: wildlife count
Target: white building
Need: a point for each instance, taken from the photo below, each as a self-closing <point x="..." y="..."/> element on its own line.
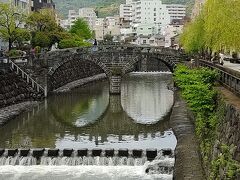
<point x="99" y="28"/>
<point x="86" y="13"/>
<point x="171" y="31"/>
<point x="150" y="40"/>
<point x="89" y="14"/>
<point x="176" y="11"/>
<point x="197" y="8"/>
<point x="109" y="25"/>
<point x="150" y="16"/>
<point x="126" y="12"/>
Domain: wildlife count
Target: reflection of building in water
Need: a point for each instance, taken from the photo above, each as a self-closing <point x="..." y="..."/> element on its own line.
<point x="148" y="100"/>
<point x="52" y="125"/>
<point x="144" y="140"/>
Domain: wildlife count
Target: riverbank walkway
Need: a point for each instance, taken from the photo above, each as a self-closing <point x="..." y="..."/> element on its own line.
<point x="233" y="66"/>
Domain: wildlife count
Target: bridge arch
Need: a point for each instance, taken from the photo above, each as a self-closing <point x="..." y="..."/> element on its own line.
<point x="104" y="60"/>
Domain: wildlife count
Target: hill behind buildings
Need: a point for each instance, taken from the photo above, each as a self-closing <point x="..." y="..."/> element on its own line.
<point x="104" y="7"/>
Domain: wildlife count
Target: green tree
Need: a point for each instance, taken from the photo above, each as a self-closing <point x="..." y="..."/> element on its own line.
<point x="222" y="24"/>
<point x="192" y="38"/>
<point x="42" y="20"/>
<point x="45" y="30"/>
<point x="216" y="28"/>
<point x="81" y="29"/>
<point x="11" y="23"/>
<point x="41" y="39"/>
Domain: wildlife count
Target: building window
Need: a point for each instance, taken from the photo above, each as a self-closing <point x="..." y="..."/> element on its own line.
<point x="144" y="41"/>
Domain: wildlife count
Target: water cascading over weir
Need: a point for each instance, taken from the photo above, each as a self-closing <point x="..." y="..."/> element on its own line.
<point x="156" y="161"/>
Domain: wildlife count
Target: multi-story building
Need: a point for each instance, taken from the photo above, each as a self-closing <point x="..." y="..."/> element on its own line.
<point x="126" y="12"/>
<point x="89" y="15"/>
<point x="72" y="16"/>
<point x="197" y="8"/>
<point x="172" y="30"/>
<point x="150" y="16"/>
<point x="176" y="11"/>
<point x="109" y="25"/>
<point x="40" y="4"/>
<point x="21" y="5"/>
<point x="86" y="13"/>
<point x="99" y="29"/>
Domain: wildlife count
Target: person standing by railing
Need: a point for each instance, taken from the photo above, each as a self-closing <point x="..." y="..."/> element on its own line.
<point x="221" y="58"/>
<point x="95" y="45"/>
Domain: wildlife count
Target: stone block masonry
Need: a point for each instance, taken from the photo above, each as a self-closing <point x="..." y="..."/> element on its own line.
<point x="13" y="89"/>
<point x="72" y="71"/>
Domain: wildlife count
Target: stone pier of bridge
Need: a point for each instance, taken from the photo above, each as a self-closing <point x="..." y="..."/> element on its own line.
<point x="115" y="84"/>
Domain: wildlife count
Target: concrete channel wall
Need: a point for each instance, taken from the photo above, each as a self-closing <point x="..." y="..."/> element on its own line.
<point x="188" y="163"/>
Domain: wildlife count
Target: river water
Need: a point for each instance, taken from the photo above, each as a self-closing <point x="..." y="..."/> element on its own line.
<point x="89" y="117"/>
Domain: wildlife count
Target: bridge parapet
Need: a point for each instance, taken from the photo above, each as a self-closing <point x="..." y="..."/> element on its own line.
<point x="112" y="57"/>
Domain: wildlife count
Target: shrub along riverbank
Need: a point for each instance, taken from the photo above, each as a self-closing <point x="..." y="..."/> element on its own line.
<point x="198" y="89"/>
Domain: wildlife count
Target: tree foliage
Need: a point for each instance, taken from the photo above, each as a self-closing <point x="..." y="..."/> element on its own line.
<point x="11" y="24"/>
<point x="192" y="37"/>
<point x="44" y="29"/>
<point x="197" y="87"/>
<point x="216" y="28"/>
<point x="42" y="20"/>
<point x="81" y="29"/>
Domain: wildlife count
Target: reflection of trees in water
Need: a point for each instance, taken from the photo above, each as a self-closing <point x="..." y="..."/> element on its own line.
<point x="54" y="123"/>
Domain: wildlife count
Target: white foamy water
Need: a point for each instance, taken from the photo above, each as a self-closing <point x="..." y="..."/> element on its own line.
<point x="78" y="172"/>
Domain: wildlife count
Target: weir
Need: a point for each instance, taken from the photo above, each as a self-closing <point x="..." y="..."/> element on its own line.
<point x="96" y="156"/>
<point x="96" y="135"/>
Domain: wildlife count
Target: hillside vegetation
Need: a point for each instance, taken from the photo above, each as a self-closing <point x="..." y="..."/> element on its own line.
<point x="103" y="7"/>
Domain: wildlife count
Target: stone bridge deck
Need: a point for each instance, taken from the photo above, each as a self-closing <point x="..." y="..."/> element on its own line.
<point x="114" y="61"/>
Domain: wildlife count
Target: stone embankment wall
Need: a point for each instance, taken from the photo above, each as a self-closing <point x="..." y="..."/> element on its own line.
<point x="188" y="159"/>
<point x="228" y="134"/>
<point x="229" y="130"/>
<point x="13" y="89"/>
<point x="72" y="71"/>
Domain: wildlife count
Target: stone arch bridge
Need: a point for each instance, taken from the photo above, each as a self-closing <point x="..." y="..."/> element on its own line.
<point x="115" y="61"/>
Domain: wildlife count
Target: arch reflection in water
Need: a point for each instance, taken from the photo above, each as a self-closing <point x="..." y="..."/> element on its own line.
<point x="103" y="122"/>
<point x="81" y="110"/>
<point x="146" y="99"/>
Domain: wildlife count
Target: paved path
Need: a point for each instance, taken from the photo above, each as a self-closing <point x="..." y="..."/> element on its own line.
<point x="233" y="66"/>
<point x="188" y="164"/>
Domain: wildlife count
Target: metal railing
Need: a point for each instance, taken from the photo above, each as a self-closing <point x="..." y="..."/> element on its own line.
<point x="24" y="75"/>
<point x="228" y="77"/>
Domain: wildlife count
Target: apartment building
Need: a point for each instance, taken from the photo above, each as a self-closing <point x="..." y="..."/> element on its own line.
<point x="86" y="13"/>
<point x="150" y="16"/>
<point x="89" y="15"/>
<point x="176" y="11"/>
<point x="197" y="8"/>
<point x="126" y="12"/>
<point x="40" y="4"/>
